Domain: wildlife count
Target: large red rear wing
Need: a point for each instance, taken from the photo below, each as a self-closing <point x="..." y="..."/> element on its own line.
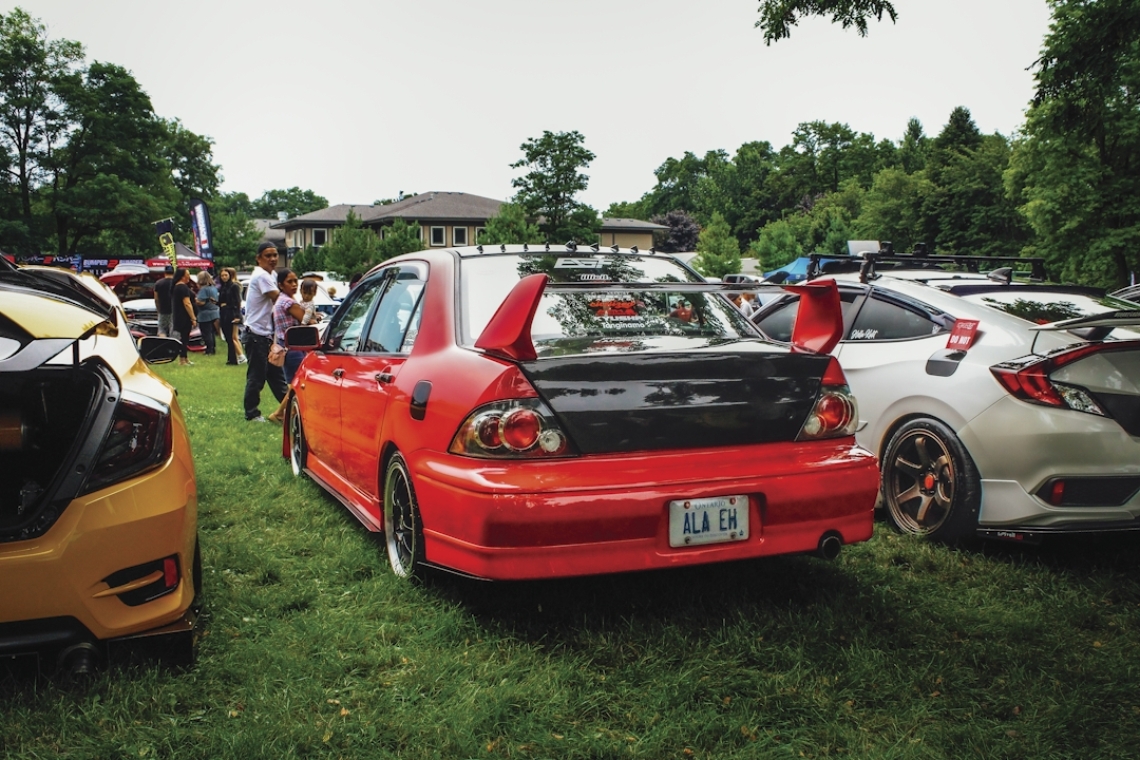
<point x="818" y="327"/>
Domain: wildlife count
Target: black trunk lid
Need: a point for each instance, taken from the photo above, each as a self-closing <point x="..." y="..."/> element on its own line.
<point x="743" y="392"/>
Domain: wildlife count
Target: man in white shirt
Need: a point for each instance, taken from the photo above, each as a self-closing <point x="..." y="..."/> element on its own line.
<point x="260" y="297"/>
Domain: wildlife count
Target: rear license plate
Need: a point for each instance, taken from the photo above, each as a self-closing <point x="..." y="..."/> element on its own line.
<point x="714" y="520"/>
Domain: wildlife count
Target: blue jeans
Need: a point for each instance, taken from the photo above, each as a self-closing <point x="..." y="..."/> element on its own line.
<point x="259" y="371"/>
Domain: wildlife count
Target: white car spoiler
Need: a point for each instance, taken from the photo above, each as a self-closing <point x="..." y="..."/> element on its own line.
<point x="1122" y="318"/>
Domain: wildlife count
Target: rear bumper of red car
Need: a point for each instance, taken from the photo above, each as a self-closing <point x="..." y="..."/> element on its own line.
<point x="606" y="514"/>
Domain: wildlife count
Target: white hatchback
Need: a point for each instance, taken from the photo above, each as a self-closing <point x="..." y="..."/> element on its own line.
<point x="1003" y="409"/>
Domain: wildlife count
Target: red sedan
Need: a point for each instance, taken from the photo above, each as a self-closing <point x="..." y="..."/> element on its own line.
<point x="532" y="413"/>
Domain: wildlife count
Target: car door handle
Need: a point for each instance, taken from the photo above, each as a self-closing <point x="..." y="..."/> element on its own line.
<point x="338" y="373"/>
<point x="384" y="377"/>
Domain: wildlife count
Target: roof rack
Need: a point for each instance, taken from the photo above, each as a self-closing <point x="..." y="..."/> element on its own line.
<point x="920" y="259"/>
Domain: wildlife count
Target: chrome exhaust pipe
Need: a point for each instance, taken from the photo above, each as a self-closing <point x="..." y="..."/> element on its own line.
<point x="829" y="545"/>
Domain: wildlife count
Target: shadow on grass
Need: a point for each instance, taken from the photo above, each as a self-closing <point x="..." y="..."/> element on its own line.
<point x="689" y="598"/>
<point x="1079" y="553"/>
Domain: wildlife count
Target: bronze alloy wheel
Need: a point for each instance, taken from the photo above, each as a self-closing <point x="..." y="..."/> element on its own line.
<point x="930" y="485"/>
<point x="298" y="449"/>
<point x="403" y="530"/>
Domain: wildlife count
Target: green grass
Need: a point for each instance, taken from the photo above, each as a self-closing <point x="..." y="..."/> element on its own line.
<point x="898" y="649"/>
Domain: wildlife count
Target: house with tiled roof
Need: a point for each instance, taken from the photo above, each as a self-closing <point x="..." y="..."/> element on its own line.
<point x="315" y="227"/>
<point x="445" y="218"/>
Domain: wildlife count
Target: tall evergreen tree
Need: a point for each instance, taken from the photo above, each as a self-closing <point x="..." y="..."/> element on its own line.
<point x="718" y="253"/>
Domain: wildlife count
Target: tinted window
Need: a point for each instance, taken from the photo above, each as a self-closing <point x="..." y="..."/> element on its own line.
<point x="603" y="320"/>
<point x="778" y="323"/>
<point x="394" y="315"/>
<point x="345" y="330"/>
<point x="889" y="320"/>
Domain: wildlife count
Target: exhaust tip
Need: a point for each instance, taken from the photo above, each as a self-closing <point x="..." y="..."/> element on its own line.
<point x="829" y="545"/>
<point x="79" y="660"/>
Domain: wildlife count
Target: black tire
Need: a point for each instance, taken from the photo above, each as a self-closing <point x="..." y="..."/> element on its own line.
<point x="403" y="528"/>
<point x="930" y="485"/>
<point x="298" y="448"/>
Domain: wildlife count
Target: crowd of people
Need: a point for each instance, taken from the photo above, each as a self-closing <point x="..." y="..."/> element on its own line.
<point x="276" y="299"/>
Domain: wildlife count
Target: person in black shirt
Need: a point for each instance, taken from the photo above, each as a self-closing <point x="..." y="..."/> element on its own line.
<point x="229" y="303"/>
<point x="184" y="319"/>
<point x="162" y="301"/>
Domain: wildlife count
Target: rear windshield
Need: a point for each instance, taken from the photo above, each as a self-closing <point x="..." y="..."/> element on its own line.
<point x="603" y="320"/>
<point x="1042" y="307"/>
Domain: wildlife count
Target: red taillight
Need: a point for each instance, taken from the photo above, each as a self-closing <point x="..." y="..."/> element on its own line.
<point x="487" y="431"/>
<point x="140" y="437"/>
<point x="834" y="415"/>
<point x="1030" y="383"/>
<point x="1030" y="377"/>
<point x="519" y="428"/>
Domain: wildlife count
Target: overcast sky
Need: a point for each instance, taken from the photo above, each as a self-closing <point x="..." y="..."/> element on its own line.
<point x="361" y="100"/>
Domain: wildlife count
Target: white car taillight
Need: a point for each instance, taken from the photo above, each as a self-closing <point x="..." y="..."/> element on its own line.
<point x="836" y="413"/>
<point x="1028" y="379"/>
<point x="515" y="429"/>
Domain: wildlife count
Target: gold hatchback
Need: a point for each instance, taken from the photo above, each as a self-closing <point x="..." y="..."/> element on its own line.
<point x="98" y="501"/>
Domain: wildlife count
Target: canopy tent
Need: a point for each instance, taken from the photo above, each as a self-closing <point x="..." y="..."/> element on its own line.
<point x="186" y="260"/>
<point x="795" y="270"/>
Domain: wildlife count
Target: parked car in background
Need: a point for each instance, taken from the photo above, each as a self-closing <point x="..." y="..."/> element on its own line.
<point x="98" y="502"/>
<point x="1003" y="408"/>
<point x="539" y="413"/>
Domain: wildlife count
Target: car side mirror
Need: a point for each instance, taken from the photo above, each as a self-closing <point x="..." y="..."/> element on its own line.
<point x="302" y="338"/>
<point x="157" y="350"/>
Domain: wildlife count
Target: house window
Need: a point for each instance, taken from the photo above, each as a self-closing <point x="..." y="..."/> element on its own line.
<point x="439" y="236"/>
<point x="479" y="233"/>
<point x="459" y="236"/>
<point x="320" y="237"/>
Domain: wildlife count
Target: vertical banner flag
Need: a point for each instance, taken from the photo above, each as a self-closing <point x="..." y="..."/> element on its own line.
<point x="165" y="231"/>
<point x="200" y="222"/>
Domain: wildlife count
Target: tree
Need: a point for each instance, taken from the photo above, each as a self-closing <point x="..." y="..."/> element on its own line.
<point x="554" y="177"/>
<point x="109" y="174"/>
<point x="638" y="209"/>
<point x="88" y="165"/>
<point x="777" y="244"/>
<point x="190" y="158"/>
<point x="293" y="201"/>
<point x="966" y="210"/>
<point x="718" y="253"/>
<point x="892" y="207"/>
<point x="777" y="17"/>
<point x="310" y="259"/>
<point x="683" y="234"/>
<point x="30" y="111"/>
<point x="235" y="235"/>
<point x="1076" y="172"/>
<point x="400" y="237"/>
<point x="510" y="227"/>
<point x="353" y="248"/>
<point x="913" y="147"/>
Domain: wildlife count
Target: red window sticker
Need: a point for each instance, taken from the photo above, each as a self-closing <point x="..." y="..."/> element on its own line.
<point x="962" y="336"/>
<point x="614" y="308"/>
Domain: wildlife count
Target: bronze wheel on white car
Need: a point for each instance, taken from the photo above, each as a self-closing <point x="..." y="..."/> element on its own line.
<point x="930" y="484"/>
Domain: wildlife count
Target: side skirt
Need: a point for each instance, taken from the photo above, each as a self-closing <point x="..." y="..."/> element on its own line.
<point x="361" y="514"/>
